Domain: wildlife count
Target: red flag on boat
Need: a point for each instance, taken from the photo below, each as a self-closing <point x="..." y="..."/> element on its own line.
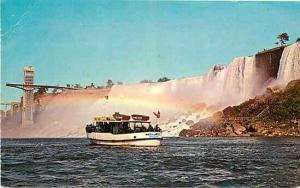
<point x="157" y="114"/>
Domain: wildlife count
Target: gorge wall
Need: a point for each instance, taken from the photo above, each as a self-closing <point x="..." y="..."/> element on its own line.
<point x="267" y="64"/>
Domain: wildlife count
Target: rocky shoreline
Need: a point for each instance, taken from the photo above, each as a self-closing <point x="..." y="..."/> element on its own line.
<point x="232" y="129"/>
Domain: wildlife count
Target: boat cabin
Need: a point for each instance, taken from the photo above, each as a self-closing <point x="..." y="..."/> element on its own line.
<point x="121" y="124"/>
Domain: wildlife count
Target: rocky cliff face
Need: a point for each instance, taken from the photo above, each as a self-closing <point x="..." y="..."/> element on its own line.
<point x="276" y="113"/>
<point x="267" y="64"/>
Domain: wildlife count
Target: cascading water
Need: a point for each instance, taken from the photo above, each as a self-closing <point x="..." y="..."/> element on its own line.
<point x="239" y="82"/>
<point x="289" y="68"/>
<point x="222" y="85"/>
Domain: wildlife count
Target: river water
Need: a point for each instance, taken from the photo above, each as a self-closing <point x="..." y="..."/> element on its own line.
<point x="180" y="162"/>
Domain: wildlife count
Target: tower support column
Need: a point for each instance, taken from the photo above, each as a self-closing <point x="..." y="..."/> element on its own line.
<point x="28" y="100"/>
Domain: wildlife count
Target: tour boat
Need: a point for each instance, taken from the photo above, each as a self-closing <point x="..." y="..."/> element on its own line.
<point x="123" y="130"/>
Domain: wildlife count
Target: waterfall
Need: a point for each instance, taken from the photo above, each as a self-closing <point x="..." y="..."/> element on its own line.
<point x="222" y="85"/>
<point x="289" y="68"/>
<point x="240" y="78"/>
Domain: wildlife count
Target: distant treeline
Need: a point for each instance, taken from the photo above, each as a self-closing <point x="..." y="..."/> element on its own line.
<point x="110" y="83"/>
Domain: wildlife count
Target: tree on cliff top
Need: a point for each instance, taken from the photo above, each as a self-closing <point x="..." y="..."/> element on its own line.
<point x="282" y="37"/>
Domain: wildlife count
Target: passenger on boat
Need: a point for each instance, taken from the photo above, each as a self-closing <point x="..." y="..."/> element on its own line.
<point x="129" y="130"/>
<point x="121" y="129"/>
<point x="156" y="128"/>
<point x="150" y="128"/>
<point x="137" y="129"/>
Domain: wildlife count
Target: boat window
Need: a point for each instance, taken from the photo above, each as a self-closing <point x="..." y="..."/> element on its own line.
<point x="105" y="127"/>
<point x="145" y="125"/>
<point x="131" y="125"/>
<point x="115" y="128"/>
<point x="125" y="125"/>
<point x="138" y="124"/>
<point x="121" y="127"/>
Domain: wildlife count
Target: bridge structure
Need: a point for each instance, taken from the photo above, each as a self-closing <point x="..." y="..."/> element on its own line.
<point x="28" y="94"/>
<point x="30" y="87"/>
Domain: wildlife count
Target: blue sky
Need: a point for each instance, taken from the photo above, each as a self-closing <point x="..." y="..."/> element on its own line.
<point x="73" y="41"/>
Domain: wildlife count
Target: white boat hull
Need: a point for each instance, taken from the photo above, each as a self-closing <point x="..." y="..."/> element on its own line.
<point x="143" y="139"/>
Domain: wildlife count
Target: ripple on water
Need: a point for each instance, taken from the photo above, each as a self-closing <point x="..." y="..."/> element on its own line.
<point x="178" y="162"/>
